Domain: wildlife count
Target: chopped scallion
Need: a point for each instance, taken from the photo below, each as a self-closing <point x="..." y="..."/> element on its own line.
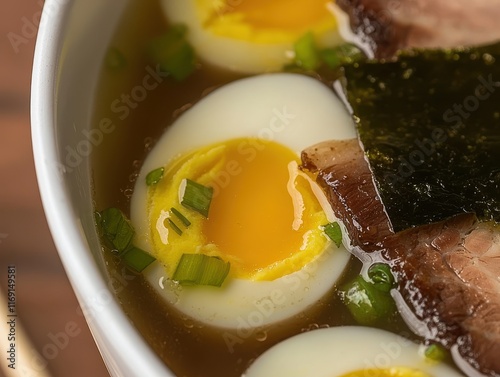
<point x="175" y="227"/>
<point x="200" y="269"/>
<point x="350" y="53"/>
<point x="154" y="176"/>
<point x="435" y="352"/>
<point x="336" y="56"/>
<point x="196" y="196"/>
<point x="137" y="259"/>
<point x="118" y="233"/>
<point x="173" y="52"/>
<point x="331" y="57"/>
<point x="381" y="276"/>
<point x="367" y="304"/>
<point x="181" y="217"/>
<point x="306" y="53"/>
<point x="116" y="229"/>
<point x="333" y="231"/>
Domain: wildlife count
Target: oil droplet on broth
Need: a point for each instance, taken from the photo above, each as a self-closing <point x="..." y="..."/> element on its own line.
<point x="148" y="143"/>
<point x="136" y="164"/>
<point x="188" y="323"/>
<point x="312" y="326"/>
<point x="261" y="336"/>
<point x="133" y="177"/>
<point x="128" y="193"/>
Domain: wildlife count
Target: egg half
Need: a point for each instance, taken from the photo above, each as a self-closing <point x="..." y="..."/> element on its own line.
<point x="266" y="216"/>
<point x="252" y="36"/>
<point x="349" y="351"/>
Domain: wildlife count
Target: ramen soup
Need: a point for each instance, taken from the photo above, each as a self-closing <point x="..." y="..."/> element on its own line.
<point x="218" y="245"/>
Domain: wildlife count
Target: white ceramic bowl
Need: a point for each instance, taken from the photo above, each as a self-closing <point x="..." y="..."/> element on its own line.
<point x="72" y="40"/>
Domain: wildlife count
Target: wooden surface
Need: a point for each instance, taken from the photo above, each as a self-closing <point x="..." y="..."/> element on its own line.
<point x="46" y="305"/>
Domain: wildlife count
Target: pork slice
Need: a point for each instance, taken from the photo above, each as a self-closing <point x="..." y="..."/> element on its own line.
<point x="348" y="183"/>
<point x="389" y="25"/>
<point x="449" y="275"/>
<point x="448" y="272"/>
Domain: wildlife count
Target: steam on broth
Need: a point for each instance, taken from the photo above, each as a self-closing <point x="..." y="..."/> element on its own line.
<point x="141" y="102"/>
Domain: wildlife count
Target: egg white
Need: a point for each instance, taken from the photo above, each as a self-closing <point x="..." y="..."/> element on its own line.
<point x="339" y="350"/>
<point x="245" y="304"/>
<point x="230" y="53"/>
<point x="294" y="110"/>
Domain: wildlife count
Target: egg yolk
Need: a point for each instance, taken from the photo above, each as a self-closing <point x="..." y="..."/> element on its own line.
<point x="280" y="14"/>
<point x="261" y="21"/>
<point x="388" y="372"/>
<point x="251" y="219"/>
<point x="264" y="217"/>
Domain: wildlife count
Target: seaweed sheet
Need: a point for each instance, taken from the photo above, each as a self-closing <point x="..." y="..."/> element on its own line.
<point x="429" y="122"/>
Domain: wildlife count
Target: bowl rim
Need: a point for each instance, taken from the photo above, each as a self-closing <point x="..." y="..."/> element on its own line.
<point x="123" y="349"/>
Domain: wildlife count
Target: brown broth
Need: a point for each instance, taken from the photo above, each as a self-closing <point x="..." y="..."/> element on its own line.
<point x="187" y="347"/>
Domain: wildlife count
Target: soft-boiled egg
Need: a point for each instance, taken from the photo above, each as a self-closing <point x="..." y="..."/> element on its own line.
<point x="349" y="351"/>
<point x="252" y="36"/>
<point x="266" y="216"/>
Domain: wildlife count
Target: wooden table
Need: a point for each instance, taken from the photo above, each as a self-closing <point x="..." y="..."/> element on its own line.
<point x="45" y="303"/>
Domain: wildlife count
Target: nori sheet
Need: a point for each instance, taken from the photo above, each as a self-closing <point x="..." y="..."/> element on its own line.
<point x="429" y="122"/>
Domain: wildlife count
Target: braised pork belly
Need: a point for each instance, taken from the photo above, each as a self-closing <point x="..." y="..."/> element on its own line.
<point x="387" y="26"/>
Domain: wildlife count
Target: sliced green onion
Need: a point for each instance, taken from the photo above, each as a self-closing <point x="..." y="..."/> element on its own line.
<point x="116" y="229"/>
<point x="196" y="196"/>
<point x="181" y="217"/>
<point x="175" y="227"/>
<point x="436" y="352"/>
<point x="154" y="176"/>
<point x="350" y="53"/>
<point x="381" y="276"/>
<point x="333" y="231"/>
<point x="331" y="57"/>
<point x="200" y="269"/>
<point x="137" y="259"/>
<point x="367" y="304"/>
<point x="336" y="56"/>
<point x="118" y="233"/>
<point x="173" y="52"/>
<point x="309" y="57"/>
<point x="115" y="60"/>
<point x="306" y="53"/>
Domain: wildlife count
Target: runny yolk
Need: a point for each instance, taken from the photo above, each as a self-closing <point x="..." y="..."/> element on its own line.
<point x="387" y="372"/>
<point x="251" y="214"/>
<point x="280" y="14"/>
